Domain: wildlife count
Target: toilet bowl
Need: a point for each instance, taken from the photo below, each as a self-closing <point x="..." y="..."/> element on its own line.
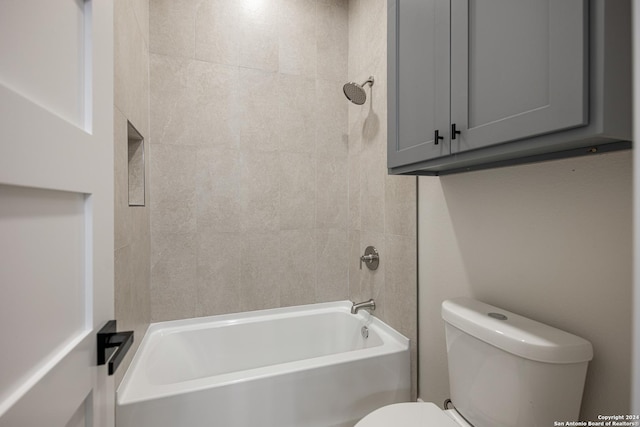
<point x="504" y="371"/>
<point x="413" y="414"/>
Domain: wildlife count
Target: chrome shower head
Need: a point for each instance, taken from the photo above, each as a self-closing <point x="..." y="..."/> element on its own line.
<point x="355" y="92"/>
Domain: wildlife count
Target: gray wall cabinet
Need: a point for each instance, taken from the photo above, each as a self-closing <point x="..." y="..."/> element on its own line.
<point x="480" y="84"/>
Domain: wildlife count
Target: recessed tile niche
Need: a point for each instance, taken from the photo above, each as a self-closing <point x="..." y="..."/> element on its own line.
<point x="135" y="166"/>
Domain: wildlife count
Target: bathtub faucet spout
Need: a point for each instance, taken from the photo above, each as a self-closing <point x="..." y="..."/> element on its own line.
<point x="367" y="304"/>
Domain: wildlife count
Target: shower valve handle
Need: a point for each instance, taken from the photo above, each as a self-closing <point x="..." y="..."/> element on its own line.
<point x="367" y="259"/>
<point x="437" y="137"/>
<point x="370" y="257"/>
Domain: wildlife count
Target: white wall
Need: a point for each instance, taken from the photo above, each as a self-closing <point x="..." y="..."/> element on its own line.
<point x="636" y="161"/>
<point x="551" y="241"/>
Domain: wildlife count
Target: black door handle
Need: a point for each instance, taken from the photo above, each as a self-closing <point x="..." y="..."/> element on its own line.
<point x="437" y="137"/>
<point x="454" y="132"/>
<point x="112" y="343"/>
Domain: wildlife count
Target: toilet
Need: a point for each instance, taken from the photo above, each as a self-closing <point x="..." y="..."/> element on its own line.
<point x="505" y="370"/>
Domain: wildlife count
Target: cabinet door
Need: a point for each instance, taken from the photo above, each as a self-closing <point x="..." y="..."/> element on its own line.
<point x="418" y="80"/>
<point x="518" y="69"/>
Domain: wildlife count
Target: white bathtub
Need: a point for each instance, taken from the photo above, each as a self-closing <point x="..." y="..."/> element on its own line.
<point x="303" y="366"/>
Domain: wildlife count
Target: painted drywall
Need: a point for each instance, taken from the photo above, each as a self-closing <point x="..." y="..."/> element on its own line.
<point x="551" y="241"/>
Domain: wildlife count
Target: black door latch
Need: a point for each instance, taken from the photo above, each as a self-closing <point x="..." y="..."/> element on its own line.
<point x="112" y="343"/>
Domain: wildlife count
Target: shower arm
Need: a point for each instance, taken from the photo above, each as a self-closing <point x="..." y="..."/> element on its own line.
<point x="368" y="81"/>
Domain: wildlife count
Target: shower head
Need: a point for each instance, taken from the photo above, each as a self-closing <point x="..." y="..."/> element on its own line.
<point x="355" y="92"/>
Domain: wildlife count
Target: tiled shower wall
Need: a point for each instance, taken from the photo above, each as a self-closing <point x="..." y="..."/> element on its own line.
<point x="132" y="234"/>
<point x="382" y="208"/>
<point x="249" y="170"/>
<point x="266" y="183"/>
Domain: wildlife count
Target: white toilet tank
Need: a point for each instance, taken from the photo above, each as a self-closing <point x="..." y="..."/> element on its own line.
<point x="506" y="370"/>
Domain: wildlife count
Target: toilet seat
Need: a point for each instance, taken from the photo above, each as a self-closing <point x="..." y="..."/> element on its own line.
<point x="414" y="414"/>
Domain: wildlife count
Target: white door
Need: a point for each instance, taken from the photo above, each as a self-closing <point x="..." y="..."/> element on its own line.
<point x="56" y="211"/>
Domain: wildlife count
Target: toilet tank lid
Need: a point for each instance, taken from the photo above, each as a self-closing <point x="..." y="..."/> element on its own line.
<point x="514" y="333"/>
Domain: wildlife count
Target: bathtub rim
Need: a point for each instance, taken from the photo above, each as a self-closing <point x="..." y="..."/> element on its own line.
<point x="392" y="342"/>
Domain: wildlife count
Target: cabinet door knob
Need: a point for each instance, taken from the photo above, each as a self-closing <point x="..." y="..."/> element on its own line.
<point x="437" y="137"/>
<point x="454" y="132"/>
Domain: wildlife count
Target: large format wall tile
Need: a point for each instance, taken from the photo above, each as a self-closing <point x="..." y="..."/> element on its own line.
<point x="332" y="193"/>
<point x="218" y="273"/>
<point x="259" y="35"/>
<point x="297" y="118"/>
<point x="217" y="31"/>
<point x="173" y="276"/>
<point x="400" y="282"/>
<point x="258" y="102"/>
<point x="173" y="189"/>
<point x="259" y="192"/>
<point x="260" y="271"/>
<point x="372" y="190"/>
<point x="131" y="229"/>
<point x="297" y="184"/>
<point x="297" y="37"/>
<point x="122" y="222"/>
<point x="217" y="190"/>
<point x="193" y="102"/>
<point x="332" y="265"/>
<point x="141" y="11"/>
<point x="382" y="208"/>
<point x="400" y="205"/>
<point x="235" y="161"/>
<point x="332" y="30"/>
<point x="332" y="118"/>
<point x="171" y="27"/>
<point x="131" y="68"/>
<point x="298" y="273"/>
<point x="167" y="86"/>
<point x="372" y="283"/>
